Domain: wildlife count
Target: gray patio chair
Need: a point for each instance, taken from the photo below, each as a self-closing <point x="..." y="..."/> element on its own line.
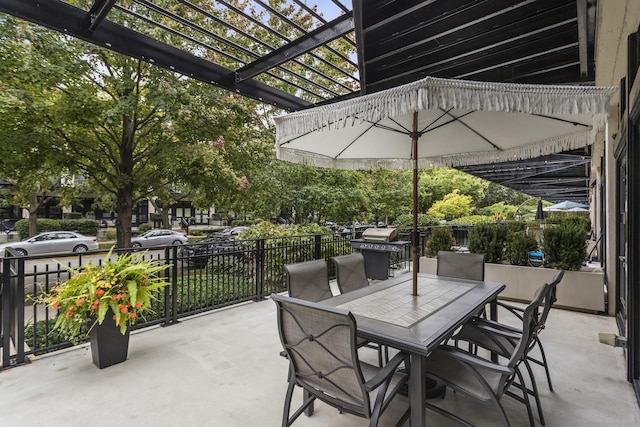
<point x="350" y="272"/>
<point x="549" y="300"/>
<point x="308" y="280"/>
<point x="482" y="379"/>
<point x="320" y="342"/>
<point x="461" y="265"/>
<point x="351" y="275"/>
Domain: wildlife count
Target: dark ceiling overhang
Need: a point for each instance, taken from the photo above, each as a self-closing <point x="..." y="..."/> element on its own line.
<point x="534" y="41"/>
<point x="395" y="42"/>
<point x="555" y="178"/>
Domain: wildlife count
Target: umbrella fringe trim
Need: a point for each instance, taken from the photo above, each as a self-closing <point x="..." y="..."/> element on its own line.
<point x="446" y="94"/>
<point x="537" y="149"/>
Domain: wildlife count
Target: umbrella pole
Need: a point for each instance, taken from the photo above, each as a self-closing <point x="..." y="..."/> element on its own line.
<point x="415" y="234"/>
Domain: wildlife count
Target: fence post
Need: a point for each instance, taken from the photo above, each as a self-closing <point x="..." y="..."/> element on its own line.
<point x="5" y="313"/>
<point x="12" y="296"/>
<point x="171" y="295"/>
<point x="318" y="247"/>
<point x="260" y="269"/>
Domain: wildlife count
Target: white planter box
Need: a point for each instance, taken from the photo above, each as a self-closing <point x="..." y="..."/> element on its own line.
<point x="578" y="290"/>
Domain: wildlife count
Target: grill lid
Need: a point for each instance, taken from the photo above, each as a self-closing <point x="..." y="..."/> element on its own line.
<point x="380" y="234"/>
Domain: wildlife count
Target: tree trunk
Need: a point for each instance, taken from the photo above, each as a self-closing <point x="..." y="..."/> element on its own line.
<point x="164" y="213"/>
<point x="124" y="194"/>
<point x="165" y="217"/>
<point x="125" y="213"/>
<point x="33" y="215"/>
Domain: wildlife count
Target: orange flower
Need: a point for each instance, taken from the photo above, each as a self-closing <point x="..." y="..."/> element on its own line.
<point x="69" y="314"/>
<point x="99" y="292"/>
<point x="56" y="304"/>
<point x="80" y="302"/>
<point x="124" y="310"/>
<point x="138" y="304"/>
<point x="133" y="315"/>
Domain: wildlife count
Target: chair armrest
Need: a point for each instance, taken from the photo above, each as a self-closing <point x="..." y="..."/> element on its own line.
<point x="486" y="323"/>
<point x="387" y="371"/>
<point x="516" y="311"/>
<point x="495" y="340"/>
<point x="471" y="359"/>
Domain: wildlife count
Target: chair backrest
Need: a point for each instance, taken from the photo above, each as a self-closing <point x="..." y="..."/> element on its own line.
<point x="350" y="272"/>
<point x="530" y="320"/>
<point x="461" y="265"/>
<point x="550" y="298"/>
<point x="320" y="342"/>
<point x="308" y="280"/>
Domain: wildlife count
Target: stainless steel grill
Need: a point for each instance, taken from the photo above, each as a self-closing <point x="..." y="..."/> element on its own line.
<point x="376" y="246"/>
<point x="380" y="234"/>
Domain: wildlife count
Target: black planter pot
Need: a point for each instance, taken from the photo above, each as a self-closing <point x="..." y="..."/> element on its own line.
<point x="108" y="345"/>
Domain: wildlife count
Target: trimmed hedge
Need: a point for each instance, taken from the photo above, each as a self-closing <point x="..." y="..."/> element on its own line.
<point x="488" y="239"/>
<point x="565" y="246"/>
<point x="88" y="227"/>
<point x="518" y="246"/>
<point x="441" y="239"/>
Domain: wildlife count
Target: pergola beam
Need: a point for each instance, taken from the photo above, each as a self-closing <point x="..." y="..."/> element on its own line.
<point x="98" y="12"/>
<point x="312" y="40"/>
<point x="70" y="20"/>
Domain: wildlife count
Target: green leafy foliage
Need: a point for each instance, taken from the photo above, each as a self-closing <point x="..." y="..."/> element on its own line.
<point x="518" y="246"/>
<point x="441" y="239"/>
<point x="88" y="227"/>
<point x="144" y="227"/>
<point x="453" y="205"/>
<point x="124" y="284"/>
<point x="488" y="239"/>
<point x="405" y="221"/>
<point x="43" y="225"/>
<point x="500" y="209"/>
<point x="564" y="245"/>
<point x="435" y="183"/>
<point x="472" y="220"/>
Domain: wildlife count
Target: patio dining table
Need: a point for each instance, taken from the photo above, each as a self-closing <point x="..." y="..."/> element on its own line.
<point x="387" y="313"/>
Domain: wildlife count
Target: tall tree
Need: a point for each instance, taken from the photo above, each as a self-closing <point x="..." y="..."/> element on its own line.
<point x="135" y="130"/>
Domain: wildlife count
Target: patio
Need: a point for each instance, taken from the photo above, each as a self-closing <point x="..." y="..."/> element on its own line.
<point x="223" y="369"/>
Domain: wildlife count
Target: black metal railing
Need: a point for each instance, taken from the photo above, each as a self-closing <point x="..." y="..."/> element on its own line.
<point x="201" y="278"/>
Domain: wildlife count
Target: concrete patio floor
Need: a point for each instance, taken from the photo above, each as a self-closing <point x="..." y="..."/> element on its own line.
<point x="224" y="369"/>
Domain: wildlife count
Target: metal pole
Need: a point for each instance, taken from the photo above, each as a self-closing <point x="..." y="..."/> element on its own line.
<point x="414" y="234"/>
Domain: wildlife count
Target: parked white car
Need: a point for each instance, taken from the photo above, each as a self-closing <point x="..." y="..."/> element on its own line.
<point x="158" y="237"/>
<point x="52" y="242"/>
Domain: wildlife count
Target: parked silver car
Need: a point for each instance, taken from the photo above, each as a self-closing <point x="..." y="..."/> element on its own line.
<point x="53" y="242"/>
<point x="158" y="237"/>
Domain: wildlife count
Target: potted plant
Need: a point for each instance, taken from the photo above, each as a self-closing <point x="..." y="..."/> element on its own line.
<point x="107" y="299"/>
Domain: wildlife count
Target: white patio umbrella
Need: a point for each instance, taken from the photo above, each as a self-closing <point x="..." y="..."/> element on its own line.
<point x="443" y="122"/>
<point x="566" y="205"/>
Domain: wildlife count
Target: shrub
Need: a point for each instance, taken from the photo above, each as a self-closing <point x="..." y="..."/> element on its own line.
<point x="488" y="239"/>
<point x="145" y="226"/>
<point x="571" y="220"/>
<point x="88" y="227"/>
<point x="564" y="245"/>
<point x="471" y="220"/>
<point x="441" y="239"/>
<point x="518" y="246"/>
<point x="406" y="221"/>
<point x="515" y="226"/>
<point x="43" y="224"/>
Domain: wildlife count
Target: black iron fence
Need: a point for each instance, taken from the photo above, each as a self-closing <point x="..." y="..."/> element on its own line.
<point x="201" y="278"/>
